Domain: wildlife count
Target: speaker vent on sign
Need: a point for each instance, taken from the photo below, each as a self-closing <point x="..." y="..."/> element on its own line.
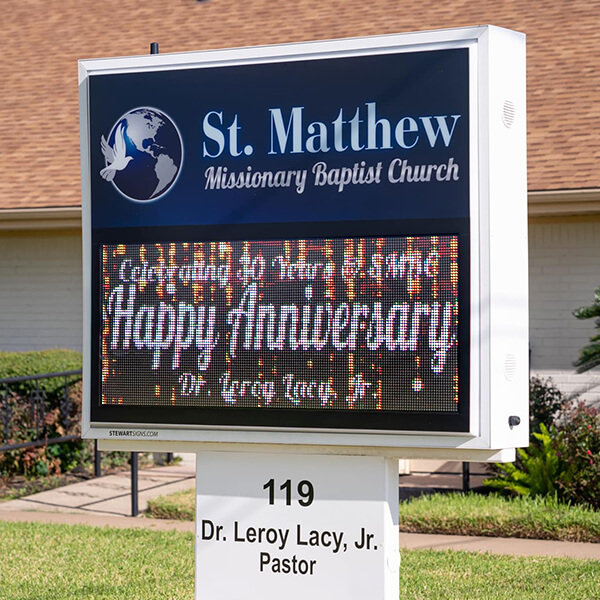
<point x="510" y="366"/>
<point x="508" y="113"/>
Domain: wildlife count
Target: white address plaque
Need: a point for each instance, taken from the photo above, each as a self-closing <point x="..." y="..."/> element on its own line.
<point x="296" y="527"/>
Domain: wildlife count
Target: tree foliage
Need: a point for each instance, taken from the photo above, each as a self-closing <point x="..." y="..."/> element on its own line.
<point x="589" y="356"/>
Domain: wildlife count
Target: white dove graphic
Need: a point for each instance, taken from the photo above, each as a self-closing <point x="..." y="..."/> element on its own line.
<point x="115" y="155"/>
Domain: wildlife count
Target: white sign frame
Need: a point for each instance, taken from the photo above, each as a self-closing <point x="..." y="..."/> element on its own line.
<point x="499" y="271"/>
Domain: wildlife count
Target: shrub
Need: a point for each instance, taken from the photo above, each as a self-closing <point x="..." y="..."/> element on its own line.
<point x="538" y="471"/>
<point x="19" y="364"/>
<point x="25" y="425"/>
<point x="579" y="447"/>
<point x="40" y="362"/>
<point x="546" y="402"/>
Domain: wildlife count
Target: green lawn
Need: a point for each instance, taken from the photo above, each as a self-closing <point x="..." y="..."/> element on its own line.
<point x="52" y="562"/>
<point x="179" y="505"/>
<point x="492" y="515"/>
<point x="431" y="574"/>
<point x="67" y="562"/>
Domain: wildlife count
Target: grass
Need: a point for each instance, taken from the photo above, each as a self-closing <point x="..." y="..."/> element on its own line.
<point x="427" y="574"/>
<point x="457" y="514"/>
<point x="179" y="505"/>
<point x="52" y="562"/>
<point x="62" y="562"/>
<point x="493" y="515"/>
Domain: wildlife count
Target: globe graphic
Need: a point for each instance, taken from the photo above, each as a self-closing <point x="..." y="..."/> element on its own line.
<point x="154" y="145"/>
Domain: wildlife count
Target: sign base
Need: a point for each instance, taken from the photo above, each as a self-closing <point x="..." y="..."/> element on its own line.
<point x="296" y="526"/>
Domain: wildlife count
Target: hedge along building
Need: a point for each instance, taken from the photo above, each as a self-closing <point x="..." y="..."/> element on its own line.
<point x="40" y="214"/>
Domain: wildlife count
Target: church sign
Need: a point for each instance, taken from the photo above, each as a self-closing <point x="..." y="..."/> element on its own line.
<point x="321" y="243"/>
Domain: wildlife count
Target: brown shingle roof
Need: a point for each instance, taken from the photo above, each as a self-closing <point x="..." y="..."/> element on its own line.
<point x="41" y="40"/>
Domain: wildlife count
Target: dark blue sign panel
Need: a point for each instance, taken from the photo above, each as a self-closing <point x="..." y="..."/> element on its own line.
<point x="283" y="244"/>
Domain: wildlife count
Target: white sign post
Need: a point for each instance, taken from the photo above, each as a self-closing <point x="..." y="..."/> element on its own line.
<point x="296" y="527"/>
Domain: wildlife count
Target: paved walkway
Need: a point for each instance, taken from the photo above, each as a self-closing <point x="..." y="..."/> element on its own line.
<point x="514" y="546"/>
<point x="107" y="502"/>
<point x="110" y="496"/>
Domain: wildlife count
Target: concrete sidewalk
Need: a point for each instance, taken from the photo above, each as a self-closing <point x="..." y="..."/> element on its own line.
<point x="106" y="502"/>
<point x="513" y="546"/>
<point x="110" y="496"/>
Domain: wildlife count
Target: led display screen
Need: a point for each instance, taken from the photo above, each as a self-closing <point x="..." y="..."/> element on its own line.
<point x="322" y="324"/>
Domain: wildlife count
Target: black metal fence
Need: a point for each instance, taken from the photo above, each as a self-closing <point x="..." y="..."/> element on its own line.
<point x="34" y="408"/>
<point x="26" y="400"/>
